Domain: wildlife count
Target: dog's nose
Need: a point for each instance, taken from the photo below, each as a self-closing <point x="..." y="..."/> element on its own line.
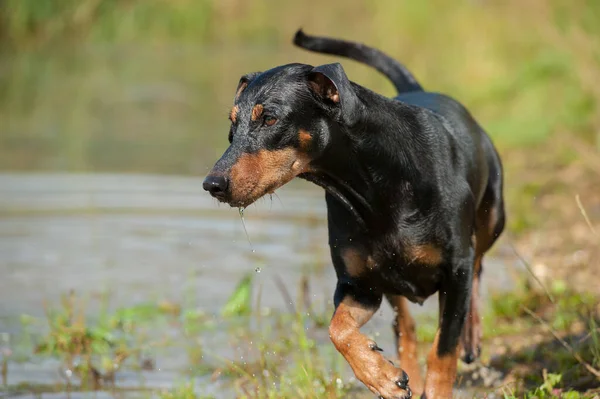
<point x="215" y="185"/>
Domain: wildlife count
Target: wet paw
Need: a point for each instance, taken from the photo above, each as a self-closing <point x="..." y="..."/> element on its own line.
<point x="378" y="373"/>
<point x="392" y="388"/>
<point x="402" y="382"/>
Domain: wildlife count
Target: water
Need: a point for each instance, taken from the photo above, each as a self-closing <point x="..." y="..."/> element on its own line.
<point x="139" y="238"/>
<point x="130" y="239"/>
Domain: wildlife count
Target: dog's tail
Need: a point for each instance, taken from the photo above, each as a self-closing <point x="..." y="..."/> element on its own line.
<point x="402" y="79"/>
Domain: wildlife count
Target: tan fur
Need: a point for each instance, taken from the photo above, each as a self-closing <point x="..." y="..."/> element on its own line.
<point x="369" y="366"/>
<point x="406" y="342"/>
<point x="441" y="372"/>
<point x="305" y="139"/>
<point x="240" y="90"/>
<point x="487" y="218"/>
<point x="354" y="261"/>
<point x="257" y="112"/>
<point x="427" y="254"/>
<point x="257" y="174"/>
<point x="233" y="113"/>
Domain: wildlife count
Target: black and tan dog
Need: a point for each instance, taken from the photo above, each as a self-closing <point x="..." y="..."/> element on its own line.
<point x="414" y="199"/>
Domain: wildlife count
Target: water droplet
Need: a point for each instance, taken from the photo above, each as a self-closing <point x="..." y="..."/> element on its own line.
<point x="257" y="270"/>
<point x="241" y="210"/>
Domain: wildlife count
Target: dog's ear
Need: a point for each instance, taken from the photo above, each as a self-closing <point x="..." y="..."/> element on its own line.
<point x="244" y="82"/>
<point x="331" y="85"/>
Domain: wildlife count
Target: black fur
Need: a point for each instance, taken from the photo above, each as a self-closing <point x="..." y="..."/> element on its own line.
<point x="398" y="173"/>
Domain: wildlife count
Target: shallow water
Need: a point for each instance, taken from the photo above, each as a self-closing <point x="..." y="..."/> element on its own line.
<point x="140" y="238"/>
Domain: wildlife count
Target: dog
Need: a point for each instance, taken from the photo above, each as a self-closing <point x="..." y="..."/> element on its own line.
<point x="413" y="187"/>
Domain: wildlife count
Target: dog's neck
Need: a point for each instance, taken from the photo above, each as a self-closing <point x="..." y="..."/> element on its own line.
<point x="368" y="169"/>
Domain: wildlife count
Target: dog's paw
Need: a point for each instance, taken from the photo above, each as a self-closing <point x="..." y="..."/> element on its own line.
<point x="378" y="373"/>
<point x="391" y="386"/>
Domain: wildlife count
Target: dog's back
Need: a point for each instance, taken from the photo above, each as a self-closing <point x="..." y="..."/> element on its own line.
<point x="484" y="160"/>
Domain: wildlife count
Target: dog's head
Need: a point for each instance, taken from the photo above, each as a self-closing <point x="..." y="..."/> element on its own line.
<point x="281" y="121"/>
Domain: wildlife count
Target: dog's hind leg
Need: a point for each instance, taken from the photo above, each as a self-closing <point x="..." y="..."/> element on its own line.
<point x="406" y="341"/>
<point x="442" y="359"/>
<point x="490" y="223"/>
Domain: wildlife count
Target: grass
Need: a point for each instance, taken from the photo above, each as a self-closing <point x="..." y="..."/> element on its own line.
<point x="566" y="349"/>
<point x="93" y="85"/>
<point x="280" y="354"/>
<point x="293" y="367"/>
<point x="92" y="352"/>
<point x="183" y="391"/>
<point x="510" y="78"/>
<point x="276" y="358"/>
<point x="547" y="390"/>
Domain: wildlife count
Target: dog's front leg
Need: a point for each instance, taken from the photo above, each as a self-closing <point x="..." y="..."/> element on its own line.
<point x="353" y="310"/>
<point x="442" y="359"/>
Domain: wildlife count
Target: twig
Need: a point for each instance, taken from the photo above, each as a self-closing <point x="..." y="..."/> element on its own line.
<point x="564" y="343"/>
<point x="526" y="264"/>
<point x="585" y="215"/>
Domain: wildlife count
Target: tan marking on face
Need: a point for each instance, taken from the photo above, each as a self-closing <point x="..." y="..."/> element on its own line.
<point x="368" y="364"/>
<point x="427" y="254"/>
<point x="257" y="174"/>
<point x="257" y="112"/>
<point x="355" y="261"/>
<point x="240" y="89"/>
<point x="305" y="139"/>
<point x="441" y="372"/>
<point x="233" y="114"/>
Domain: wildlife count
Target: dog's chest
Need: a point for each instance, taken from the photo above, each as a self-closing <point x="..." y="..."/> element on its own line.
<point x="412" y="271"/>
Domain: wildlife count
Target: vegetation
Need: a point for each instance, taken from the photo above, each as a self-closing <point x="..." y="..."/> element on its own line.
<point x="145" y="86"/>
<point x="555" y="353"/>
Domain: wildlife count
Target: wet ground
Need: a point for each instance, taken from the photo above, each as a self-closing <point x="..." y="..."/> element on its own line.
<point x="140" y="238"/>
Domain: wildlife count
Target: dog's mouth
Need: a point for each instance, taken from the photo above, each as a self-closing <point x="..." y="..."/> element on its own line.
<point x="254" y="195"/>
<point x="255" y="175"/>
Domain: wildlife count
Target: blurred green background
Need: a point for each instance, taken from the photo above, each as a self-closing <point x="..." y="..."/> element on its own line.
<point x="145" y="85"/>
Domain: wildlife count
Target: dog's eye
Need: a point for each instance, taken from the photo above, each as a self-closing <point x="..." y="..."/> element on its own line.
<point x="269" y="120"/>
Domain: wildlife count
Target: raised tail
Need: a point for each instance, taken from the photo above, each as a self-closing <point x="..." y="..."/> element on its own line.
<point x="402" y="79"/>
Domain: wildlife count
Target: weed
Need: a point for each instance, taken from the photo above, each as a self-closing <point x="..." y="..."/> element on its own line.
<point x="571" y="352"/>
<point x="94" y="351"/>
<point x="183" y="391"/>
<point x="238" y="303"/>
<point x="295" y="368"/>
<point x="548" y="390"/>
<point x="569" y="307"/>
